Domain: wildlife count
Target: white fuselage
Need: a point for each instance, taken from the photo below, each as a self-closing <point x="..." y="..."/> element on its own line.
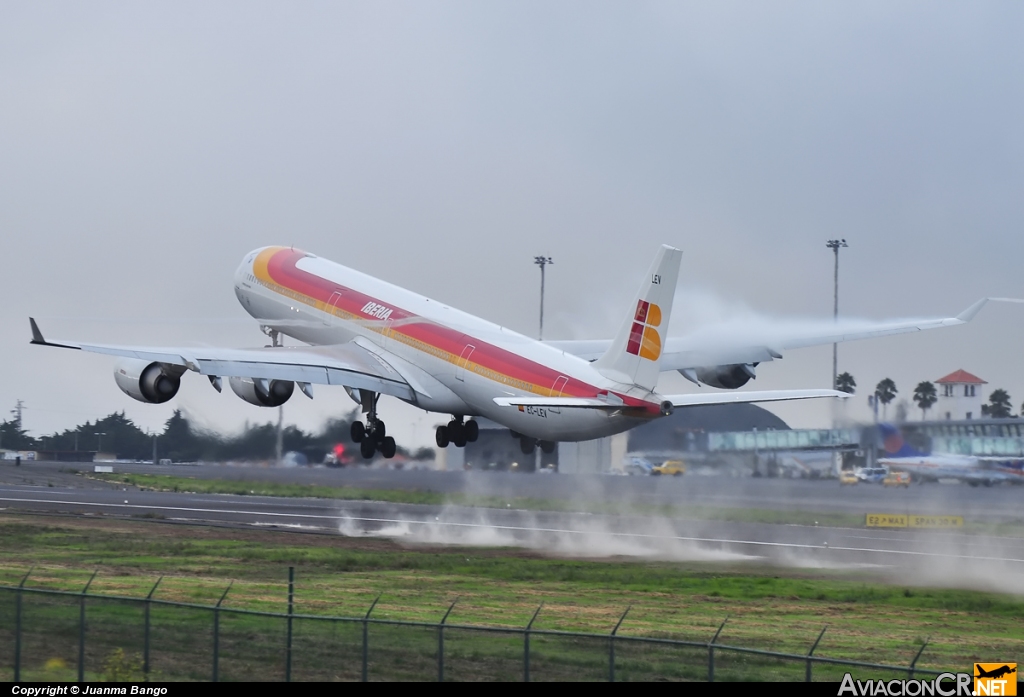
<point x="455" y="362"/>
<point x="948" y="466"/>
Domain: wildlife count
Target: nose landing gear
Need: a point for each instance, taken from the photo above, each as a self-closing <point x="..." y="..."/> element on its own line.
<point x="457" y="432"/>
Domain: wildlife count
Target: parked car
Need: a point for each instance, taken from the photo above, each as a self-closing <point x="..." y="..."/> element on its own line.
<point x="848" y="477"/>
<point x="897" y="479"/>
<point x="875" y="475"/>
<point x="637" y="466"/>
<point x="676" y="468"/>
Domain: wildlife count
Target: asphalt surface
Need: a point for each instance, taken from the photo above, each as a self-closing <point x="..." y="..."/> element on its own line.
<point x="985" y="504"/>
<point x="934" y="556"/>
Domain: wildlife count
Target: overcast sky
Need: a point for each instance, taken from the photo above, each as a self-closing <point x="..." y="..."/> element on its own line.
<point x="146" y="147"/>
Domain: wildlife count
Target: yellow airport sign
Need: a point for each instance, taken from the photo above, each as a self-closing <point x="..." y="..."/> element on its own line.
<point x="936" y="521"/>
<point x="886" y="520"/>
<point x="899" y="520"/>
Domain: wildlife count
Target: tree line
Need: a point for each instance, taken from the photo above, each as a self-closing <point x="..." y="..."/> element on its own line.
<point x="181" y="441"/>
<point x="1000" y="405"/>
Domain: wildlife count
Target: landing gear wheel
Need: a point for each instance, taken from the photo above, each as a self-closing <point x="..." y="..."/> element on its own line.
<point x="441" y="437"/>
<point x="357" y="431"/>
<point x="472" y="431"/>
<point x="547" y="446"/>
<point x="367" y="448"/>
<point x="457" y="432"/>
<point x="527" y="445"/>
<point x="388" y="447"/>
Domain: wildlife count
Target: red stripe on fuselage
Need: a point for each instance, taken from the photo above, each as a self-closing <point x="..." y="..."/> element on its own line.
<point x="283" y="270"/>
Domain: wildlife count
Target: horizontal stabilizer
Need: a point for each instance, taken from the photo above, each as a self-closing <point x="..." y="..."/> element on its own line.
<point x="698" y="399"/>
<point x="677" y="400"/>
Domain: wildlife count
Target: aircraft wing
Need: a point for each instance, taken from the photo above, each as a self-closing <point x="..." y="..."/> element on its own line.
<point x="677" y="400"/>
<point x="342" y="364"/>
<point x="729" y="344"/>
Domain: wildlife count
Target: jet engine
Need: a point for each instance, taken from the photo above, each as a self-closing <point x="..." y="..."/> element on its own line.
<point x="261" y="392"/>
<point x="153" y="383"/>
<point x="728" y="377"/>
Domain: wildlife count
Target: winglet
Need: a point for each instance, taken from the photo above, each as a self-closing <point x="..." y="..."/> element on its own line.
<point x="37" y="336"/>
<point x="968" y="314"/>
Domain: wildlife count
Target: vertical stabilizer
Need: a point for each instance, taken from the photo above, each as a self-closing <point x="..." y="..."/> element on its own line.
<point x="635" y="351"/>
<point x="894" y="445"/>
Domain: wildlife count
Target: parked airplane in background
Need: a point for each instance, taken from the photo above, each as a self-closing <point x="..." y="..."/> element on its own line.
<point x="374" y="338"/>
<point x="927" y="466"/>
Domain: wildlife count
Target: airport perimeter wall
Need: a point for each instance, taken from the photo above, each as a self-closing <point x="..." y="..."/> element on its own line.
<point x="48" y="634"/>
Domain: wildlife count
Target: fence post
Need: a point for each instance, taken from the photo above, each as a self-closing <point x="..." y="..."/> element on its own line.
<point x="440" y="641"/>
<point x="611" y="646"/>
<point x="216" y="633"/>
<point x="291" y="610"/>
<point x="914" y="662"/>
<point x="809" y="653"/>
<point x="81" y="629"/>
<point x="17" y="627"/>
<point x="145" y="642"/>
<point x="711" y="651"/>
<point x="366" y="639"/>
<point x="526" y="645"/>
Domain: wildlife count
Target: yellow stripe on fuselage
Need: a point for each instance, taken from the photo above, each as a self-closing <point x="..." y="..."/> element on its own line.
<point x="261" y="271"/>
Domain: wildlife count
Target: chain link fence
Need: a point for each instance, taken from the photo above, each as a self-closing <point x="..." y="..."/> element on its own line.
<point x="48" y="634"/>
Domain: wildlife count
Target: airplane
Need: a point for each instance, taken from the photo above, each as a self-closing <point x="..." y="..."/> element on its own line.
<point x="927" y="466"/>
<point x="995" y="672"/>
<point x="374" y="338"/>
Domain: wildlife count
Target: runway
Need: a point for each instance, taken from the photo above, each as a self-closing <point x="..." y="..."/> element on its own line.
<point x="927" y="557"/>
<point x="996" y="504"/>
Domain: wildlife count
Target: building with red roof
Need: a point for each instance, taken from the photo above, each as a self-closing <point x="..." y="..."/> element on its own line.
<point x="960" y="396"/>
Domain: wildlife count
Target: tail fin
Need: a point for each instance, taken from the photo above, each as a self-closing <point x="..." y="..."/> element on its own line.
<point x="893" y="444"/>
<point x="635" y="351"/>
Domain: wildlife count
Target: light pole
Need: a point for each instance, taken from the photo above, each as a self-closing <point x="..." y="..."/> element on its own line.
<point x="834" y="245"/>
<point x="99" y="441"/>
<point x="542" y="262"/>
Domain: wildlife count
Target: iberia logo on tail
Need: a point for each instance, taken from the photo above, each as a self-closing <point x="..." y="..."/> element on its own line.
<point x="644" y="340"/>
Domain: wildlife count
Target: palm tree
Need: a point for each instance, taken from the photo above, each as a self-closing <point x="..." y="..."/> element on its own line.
<point x="925" y="396"/>
<point x="998" y="406"/>
<point x="846" y="383"/>
<point x="885" y="392"/>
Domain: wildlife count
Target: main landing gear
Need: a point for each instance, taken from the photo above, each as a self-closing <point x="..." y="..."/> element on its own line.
<point x="457" y="432"/>
<point x="528" y="445"/>
<point x="372" y="437"/>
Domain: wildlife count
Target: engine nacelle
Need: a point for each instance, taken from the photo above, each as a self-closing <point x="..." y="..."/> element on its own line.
<point x="153" y="383"/>
<point x="728" y="377"/>
<point x="262" y="393"/>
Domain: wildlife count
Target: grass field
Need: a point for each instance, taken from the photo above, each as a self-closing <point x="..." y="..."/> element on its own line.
<point x="781" y="610"/>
